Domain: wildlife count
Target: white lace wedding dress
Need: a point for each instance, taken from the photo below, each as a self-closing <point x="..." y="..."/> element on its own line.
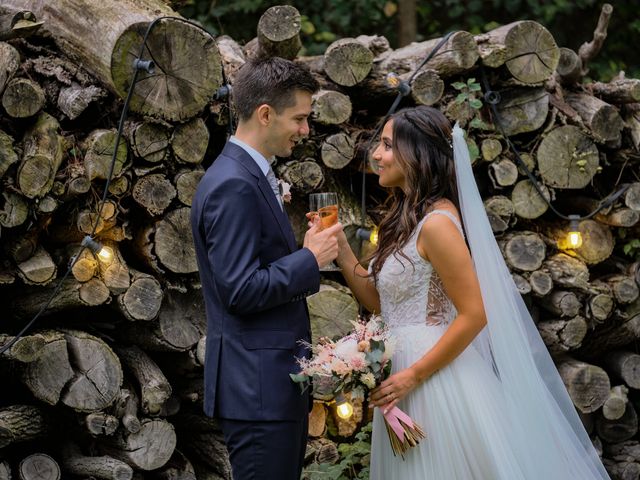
<point x="459" y="407"/>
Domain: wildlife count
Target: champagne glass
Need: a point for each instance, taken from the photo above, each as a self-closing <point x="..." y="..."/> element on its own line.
<point x="325" y="206"/>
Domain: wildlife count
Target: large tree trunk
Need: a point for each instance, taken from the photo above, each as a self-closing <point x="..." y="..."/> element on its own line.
<point x="173" y="91"/>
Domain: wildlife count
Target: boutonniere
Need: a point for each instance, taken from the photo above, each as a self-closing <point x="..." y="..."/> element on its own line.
<point x="285" y="190"/>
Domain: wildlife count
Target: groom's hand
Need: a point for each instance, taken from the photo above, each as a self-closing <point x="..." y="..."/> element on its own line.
<point x="323" y="243"/>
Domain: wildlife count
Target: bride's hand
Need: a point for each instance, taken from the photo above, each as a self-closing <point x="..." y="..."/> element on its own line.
<point x="393" y="389"/>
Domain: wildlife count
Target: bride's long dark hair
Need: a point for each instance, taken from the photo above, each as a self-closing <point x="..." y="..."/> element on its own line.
<point x="421" y="145"/>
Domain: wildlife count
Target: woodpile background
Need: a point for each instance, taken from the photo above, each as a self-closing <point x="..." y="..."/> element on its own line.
<point x="108" y="384"/>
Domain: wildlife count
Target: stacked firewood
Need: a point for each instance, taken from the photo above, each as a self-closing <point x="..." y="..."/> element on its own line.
<point x="108" y="383"/>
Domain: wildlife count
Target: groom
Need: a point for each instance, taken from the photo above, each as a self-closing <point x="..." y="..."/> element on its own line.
<point x="255" y="279"/>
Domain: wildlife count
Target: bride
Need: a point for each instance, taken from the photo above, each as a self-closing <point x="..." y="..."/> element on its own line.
<point x="470" y="367"/>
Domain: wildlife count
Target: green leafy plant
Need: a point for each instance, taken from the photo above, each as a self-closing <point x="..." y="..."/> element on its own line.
<point x="468" y="92"/>
<point x="353" y="463"/>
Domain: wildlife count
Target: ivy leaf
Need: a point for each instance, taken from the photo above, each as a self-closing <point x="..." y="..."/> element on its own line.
<point x="459" y="85"/>
<point x="475" y="103"/>
<point x="471" y="80"/>
<point x="475" y="87"/>
<point x="461" y="98"/>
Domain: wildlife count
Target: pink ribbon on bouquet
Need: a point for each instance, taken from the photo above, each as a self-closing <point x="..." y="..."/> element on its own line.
<point x="393" y="418"/>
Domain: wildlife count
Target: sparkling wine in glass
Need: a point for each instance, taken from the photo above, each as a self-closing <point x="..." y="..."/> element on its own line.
<point x="325" y="206"/>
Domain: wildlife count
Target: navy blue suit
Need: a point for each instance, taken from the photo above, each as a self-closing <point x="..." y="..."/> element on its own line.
<point x="254" y="281"/>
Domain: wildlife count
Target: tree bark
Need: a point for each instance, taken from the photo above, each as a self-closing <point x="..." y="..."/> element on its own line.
<point x="103" y="467"/>
<point x="523" y="110"/>
<point x="625" y="365"/>
<point x="588" y="385"/>
<point x="99" y="147"/>
<point x="21" y="423"/>
<point x="561" y="336"/>
<point x="603" y="120"/>
<point x="279" y="32"/>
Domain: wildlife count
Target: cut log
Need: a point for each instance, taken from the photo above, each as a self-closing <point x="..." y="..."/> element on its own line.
<point x="279" y="32"/>
<point x="426" y="87"/>
<point x="104" y="467"/>
<point x="174" y="91"/>
<point x="126" y="408"/>
<point x="626" y="90"/>
<point x="9" y="63"/>
<point x="21" y="423"/>
<point x="561" y="336"/>
<point x="561" y="303"/>
<point x="522" y="285"/>
<point x="337" y="150"/>
<point x="490" y="149"/>
<point x="8" y="155"/>
<point x="541" y="282"/>
<point x="619" y="430"/>
<point x="27" y="349"/>
<point x="100" y="423"/>
<point x="631" y="116"/>
<point x="530" y="51"/>
<point x="317" y="420"/>
<point x="624" y="288"/>
<point x="14" y="210"/>
<point x="626" y="470"/>
<point x="625" y="365"/>
<point x="331" y="311"/>
<point x="142" y="300"/>
<point x="569" y="67"/>
<point x="567" y="271"/>
<point x="331" y="107"/>
<point x="189" y="141"/>
<point x="42" y="156"/>
<point x="98" y="373"/>
<point x="305" y="176"/>
<point x="456" y="56"/>
<point x="176" y="329"/>
<point x="174" y="242"/>
<point x="154" y="193"/>
<point x="616" y="404"/>
<point x="632" y="196"/>
<point x="600" y="306"/>
<point x="22" y="98"/>
<point x="500" y="211"/>
<point x="621" y="331"/>
<point x="5" y="471"/>
<point x="526" y="200"/>
<point x="503" y="173"/>
<point x="149" y="448"/>
<point x="186" y="183"/>
<point x="619" y="217"/>
<point x="597" y="242"/>
<point x="603" y="120"/>
<point x="99" y="147"/>
<point x="154" y="387"/>
<point x="347" y="62"/>
<point x="567" y="158"/>
<point x="149" y="141"/>
<point x="322" y="450"/>
<point x="39" y="269"/>
<point x="522" y="109"/>
<point x="39" y="466"/>
<point x="524" y="251"/>
<point x="588" y="385"/>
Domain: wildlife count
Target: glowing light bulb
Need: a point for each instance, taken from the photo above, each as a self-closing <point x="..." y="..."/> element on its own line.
<point x="392" y="79"/>
<point x="345" y="410"/>
<point x="373" y="238"/>
<point x="105" y="254"/>
<point x="574" y="239"/>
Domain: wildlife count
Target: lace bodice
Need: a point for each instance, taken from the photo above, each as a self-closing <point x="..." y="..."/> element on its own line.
<point x="414" y="294"/>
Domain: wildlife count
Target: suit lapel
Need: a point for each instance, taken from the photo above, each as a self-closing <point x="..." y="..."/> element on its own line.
<point x="238" y="153"/>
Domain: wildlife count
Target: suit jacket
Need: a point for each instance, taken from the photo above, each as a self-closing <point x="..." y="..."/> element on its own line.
<point x="254" y="281"/>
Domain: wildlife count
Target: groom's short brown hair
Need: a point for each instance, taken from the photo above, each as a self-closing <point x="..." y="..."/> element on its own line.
<point x="271" y="80"/>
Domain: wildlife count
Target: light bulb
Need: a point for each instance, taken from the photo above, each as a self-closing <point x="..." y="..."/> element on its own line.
<point x="105" y="254"/>
<point x="345" y="410"/>
<point x="574" y="237"/>
<point x="373" y="238"/>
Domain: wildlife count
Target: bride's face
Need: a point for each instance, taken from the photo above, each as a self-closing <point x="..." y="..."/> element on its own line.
<point x="389" y="170"/>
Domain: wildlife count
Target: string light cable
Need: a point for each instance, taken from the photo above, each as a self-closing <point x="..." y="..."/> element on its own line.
<point x="403" y="87"/>
<point x="88" y="241"/>
<point x="492" y="98"/>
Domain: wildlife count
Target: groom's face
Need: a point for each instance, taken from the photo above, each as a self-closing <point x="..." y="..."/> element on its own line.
<point x="290" y="125"/>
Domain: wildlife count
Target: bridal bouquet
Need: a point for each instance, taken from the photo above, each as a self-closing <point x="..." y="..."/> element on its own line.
<point x="355" y="364"/>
